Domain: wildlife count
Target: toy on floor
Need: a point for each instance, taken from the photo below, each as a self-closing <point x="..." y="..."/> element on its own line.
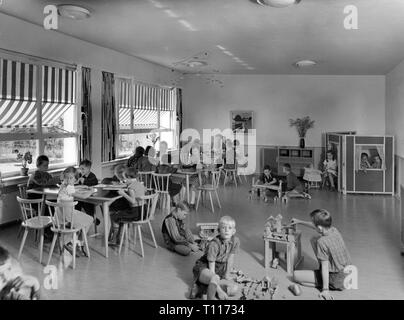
<point x="295" y="289"/>
<point x="208" y="231"/>
<point x="261" y="190"/>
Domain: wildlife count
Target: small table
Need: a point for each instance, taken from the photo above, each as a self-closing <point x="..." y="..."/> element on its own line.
<point x="100" y="197"/>
<point x="293" y="250"/>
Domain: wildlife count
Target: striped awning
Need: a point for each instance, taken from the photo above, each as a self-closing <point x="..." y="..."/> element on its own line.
<point x="18" y="94"/>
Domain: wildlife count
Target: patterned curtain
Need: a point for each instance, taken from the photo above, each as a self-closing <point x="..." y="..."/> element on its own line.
<point x="179" y="111"/>
<point x="86" y="115"/>
<point x="108" y="117"/>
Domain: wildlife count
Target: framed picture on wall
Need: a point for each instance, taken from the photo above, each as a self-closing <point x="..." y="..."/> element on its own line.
<point x="241" y="121"/>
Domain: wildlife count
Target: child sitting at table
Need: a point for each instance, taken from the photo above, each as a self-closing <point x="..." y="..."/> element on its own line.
<point x="14" y="285"/>
<point x="331" y="253"/>
<point x="214" y="267"/>
<point x="132" y="210"/>
<point x="177" y="236"/>
<point x="87" y="178"/>
<point x="80" y="219"/>
<point x="41" y="178"/>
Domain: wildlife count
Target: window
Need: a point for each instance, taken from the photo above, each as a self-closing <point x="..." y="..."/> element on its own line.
<point x="144" y="113"/>
<point x="37" y="113"/>
<point x="369" y="157"/>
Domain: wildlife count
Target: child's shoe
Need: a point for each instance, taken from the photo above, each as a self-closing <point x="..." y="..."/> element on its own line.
<point x="195" y="292"/>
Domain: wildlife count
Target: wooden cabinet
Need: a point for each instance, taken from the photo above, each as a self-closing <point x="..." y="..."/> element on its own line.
<point x="298" y="159"/>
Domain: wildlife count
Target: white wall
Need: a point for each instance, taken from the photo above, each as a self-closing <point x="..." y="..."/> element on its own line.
<point x="334" y="102"/>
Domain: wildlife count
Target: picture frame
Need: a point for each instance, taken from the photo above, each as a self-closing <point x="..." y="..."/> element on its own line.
<point x="241" y="121"/>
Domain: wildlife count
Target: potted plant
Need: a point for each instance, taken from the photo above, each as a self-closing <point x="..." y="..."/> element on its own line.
<point x="25" y="159"/>
<point x="302" y="125"/>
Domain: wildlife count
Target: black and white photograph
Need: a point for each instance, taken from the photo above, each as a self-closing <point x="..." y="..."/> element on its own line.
<point x="221" y="154"/>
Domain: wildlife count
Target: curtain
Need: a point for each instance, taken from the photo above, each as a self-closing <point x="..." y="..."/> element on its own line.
<point x="86" y="115"/>
<point x="108" y="117"/>
<point x="179" y="114"/>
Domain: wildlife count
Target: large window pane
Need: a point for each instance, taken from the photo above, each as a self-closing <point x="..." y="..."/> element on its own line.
<point x="58" y="118"/>
<point x="167" y="119"/>
<point x="128" y="142"/>
<point x="145" y="119"/>
<point x="9" y="164"/>
<point x="61" y="151"/>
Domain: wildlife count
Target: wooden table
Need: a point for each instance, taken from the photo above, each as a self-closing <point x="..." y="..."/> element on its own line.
<point x="293" y="251"/>
<point x="101" y="197"/>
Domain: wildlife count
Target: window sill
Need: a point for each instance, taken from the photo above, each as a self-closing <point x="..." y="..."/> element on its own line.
<point x="114" y="162"/>
<point x="14" y="180"/>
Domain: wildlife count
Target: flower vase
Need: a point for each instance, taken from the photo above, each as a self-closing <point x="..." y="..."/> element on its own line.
<point x="302" y="143"/>
<point x="24" y="171"/>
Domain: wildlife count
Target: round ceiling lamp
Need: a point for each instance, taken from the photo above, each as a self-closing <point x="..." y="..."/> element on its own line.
<point x="301" y="64"/>
<point x="73" y="12"/>
<point x="277" y="3"/>
<point x="196" y="63"/>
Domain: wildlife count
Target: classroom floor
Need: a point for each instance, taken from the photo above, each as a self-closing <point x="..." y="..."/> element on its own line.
<point x="370" y="226"/>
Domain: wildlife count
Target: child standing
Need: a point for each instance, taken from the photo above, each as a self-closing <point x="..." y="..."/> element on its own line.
<point x="329" y="170"/>
<point x="331" y="253"/>
<point x="214" y="267"/>
<point x="293" y="187"/>
<point x="177" y="236"/>
<point x="87" y="178"/>
<point x="80" y="219"/>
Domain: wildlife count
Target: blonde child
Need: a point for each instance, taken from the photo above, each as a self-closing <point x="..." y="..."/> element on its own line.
<point x="80" y="219"/>
<point x="214" y="267"/>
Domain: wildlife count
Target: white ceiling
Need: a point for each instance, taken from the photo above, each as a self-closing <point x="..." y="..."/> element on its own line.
<point x="266" y="39"/>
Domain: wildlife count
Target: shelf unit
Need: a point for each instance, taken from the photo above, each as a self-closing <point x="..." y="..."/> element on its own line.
<point x="297" y="158"/>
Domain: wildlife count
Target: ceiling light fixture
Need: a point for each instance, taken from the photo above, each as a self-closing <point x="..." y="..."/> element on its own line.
<point x="304" y="64"/>
<point x="73" y="12"/>
<point x="195" y="63"/>
<point x="277" y="3"/>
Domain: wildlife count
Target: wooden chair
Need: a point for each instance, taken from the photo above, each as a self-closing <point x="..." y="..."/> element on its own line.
<point x="161" y="183"/>
<point x="22" y="188"/>
<point x="230" y="172"/>
<point x="31" y="220"/>
<point x="62" y="225"/>
<point x="148" y="208"/>
<point x="147" y="178"/>
<point x="210" y="188"/>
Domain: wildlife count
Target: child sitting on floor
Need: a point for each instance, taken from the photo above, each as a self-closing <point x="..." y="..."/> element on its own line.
<point x="267" y="179"/>
<point x="80" y="219"/>
<point x="214" y="267"/>
<point x="329" y="170"/>
<point x="293" y="188"/>
<point x="14" y="285"/>
<point x="177" y="236"/>
<point x="133" y="210"/>
<point x="87" y="178"/>
<point x="330" y="252"/>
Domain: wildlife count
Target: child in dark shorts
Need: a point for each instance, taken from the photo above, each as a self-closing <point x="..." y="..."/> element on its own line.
<point x="331" y="253"/>
<point x="214" y="267"/>
<point x="133" y="210"/>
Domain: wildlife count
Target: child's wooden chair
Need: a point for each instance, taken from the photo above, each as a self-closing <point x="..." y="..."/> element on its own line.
<point x="62" y="225"/>
<point x="147" y="178"/>
<point x="210" y="187"/>
<point x="148" y="208"/>
<point x="32" y="220"/>
<point x="161" y="183"/>
<point x="230" y="173"/>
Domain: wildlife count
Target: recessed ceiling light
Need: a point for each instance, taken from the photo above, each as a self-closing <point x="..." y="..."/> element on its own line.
<point x="277" y="3"/>
<point x="73" y="12"/>
<point x="304" y="63"/>
<point x="195" y="64"/>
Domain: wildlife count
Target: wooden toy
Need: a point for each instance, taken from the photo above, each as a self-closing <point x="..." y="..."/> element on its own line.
<point x="208" y="231"/>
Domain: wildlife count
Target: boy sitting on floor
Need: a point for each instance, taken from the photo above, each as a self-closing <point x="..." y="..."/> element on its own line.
<point x="14" y="285"/>
<point x="214" y="267"/>
<point x="177" y="236"/>
<point x="293" y="187"/>
<point x="331" y="252"/>
<point x="87" y="178"/>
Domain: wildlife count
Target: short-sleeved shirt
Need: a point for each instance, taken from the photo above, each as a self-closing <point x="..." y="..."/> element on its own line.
<point x="331" y="248"/>
<point x="40" y="179"/>
<point x="219" y="250"/>
<point x="266" y="179"/>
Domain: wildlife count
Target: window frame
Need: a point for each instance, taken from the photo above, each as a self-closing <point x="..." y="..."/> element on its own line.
<point x="132" y="130"/>
<point x="40" y="135"/>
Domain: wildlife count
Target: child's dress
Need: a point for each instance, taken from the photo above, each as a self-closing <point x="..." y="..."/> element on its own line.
<point x="330" y="166"/>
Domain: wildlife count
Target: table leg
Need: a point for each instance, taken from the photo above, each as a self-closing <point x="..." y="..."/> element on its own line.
<point x="266" y="258"/>
<point x="105" y="209"/>
<point x="290" y="257"/>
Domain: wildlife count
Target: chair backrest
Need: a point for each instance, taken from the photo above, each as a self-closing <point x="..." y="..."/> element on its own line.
<point x="62" y="214"/>
<point x="161" y="181"/>
<point x="148" y="205"/>
<point x="147" y="178"/>
<point x="22" y="187"/>
<point x="29" y="207"/>
<point x="213" y="178"/>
